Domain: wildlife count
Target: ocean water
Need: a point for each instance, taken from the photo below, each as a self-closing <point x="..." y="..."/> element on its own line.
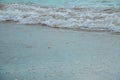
<point x="68" y="3"/>
<point x="75" y="14"/>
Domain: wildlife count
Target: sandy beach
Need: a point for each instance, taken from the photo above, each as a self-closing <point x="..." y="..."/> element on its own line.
<point x="33" y="52"/>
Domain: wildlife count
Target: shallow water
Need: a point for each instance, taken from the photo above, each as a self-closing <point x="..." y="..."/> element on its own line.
<point x="29" y="52"/>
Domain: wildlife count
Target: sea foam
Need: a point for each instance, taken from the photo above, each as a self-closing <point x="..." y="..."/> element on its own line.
<point x="105" y="18"/>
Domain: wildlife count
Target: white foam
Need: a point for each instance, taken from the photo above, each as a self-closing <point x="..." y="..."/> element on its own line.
<point x="94" y="18"/>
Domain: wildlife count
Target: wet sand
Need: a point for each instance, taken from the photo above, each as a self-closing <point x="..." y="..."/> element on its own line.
<point x="33" y="52"/>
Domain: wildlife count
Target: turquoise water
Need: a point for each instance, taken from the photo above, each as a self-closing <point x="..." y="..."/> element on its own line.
<point x="69" y="3"/>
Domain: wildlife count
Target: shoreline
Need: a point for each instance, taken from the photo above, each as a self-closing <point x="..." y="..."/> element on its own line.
<point x="65" y="28"/>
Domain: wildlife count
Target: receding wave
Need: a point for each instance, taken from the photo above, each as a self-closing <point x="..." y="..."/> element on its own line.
<point x="107" y="18"/>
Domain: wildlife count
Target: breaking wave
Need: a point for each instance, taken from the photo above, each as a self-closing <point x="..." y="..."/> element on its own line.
<point x="105" y="18"/>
